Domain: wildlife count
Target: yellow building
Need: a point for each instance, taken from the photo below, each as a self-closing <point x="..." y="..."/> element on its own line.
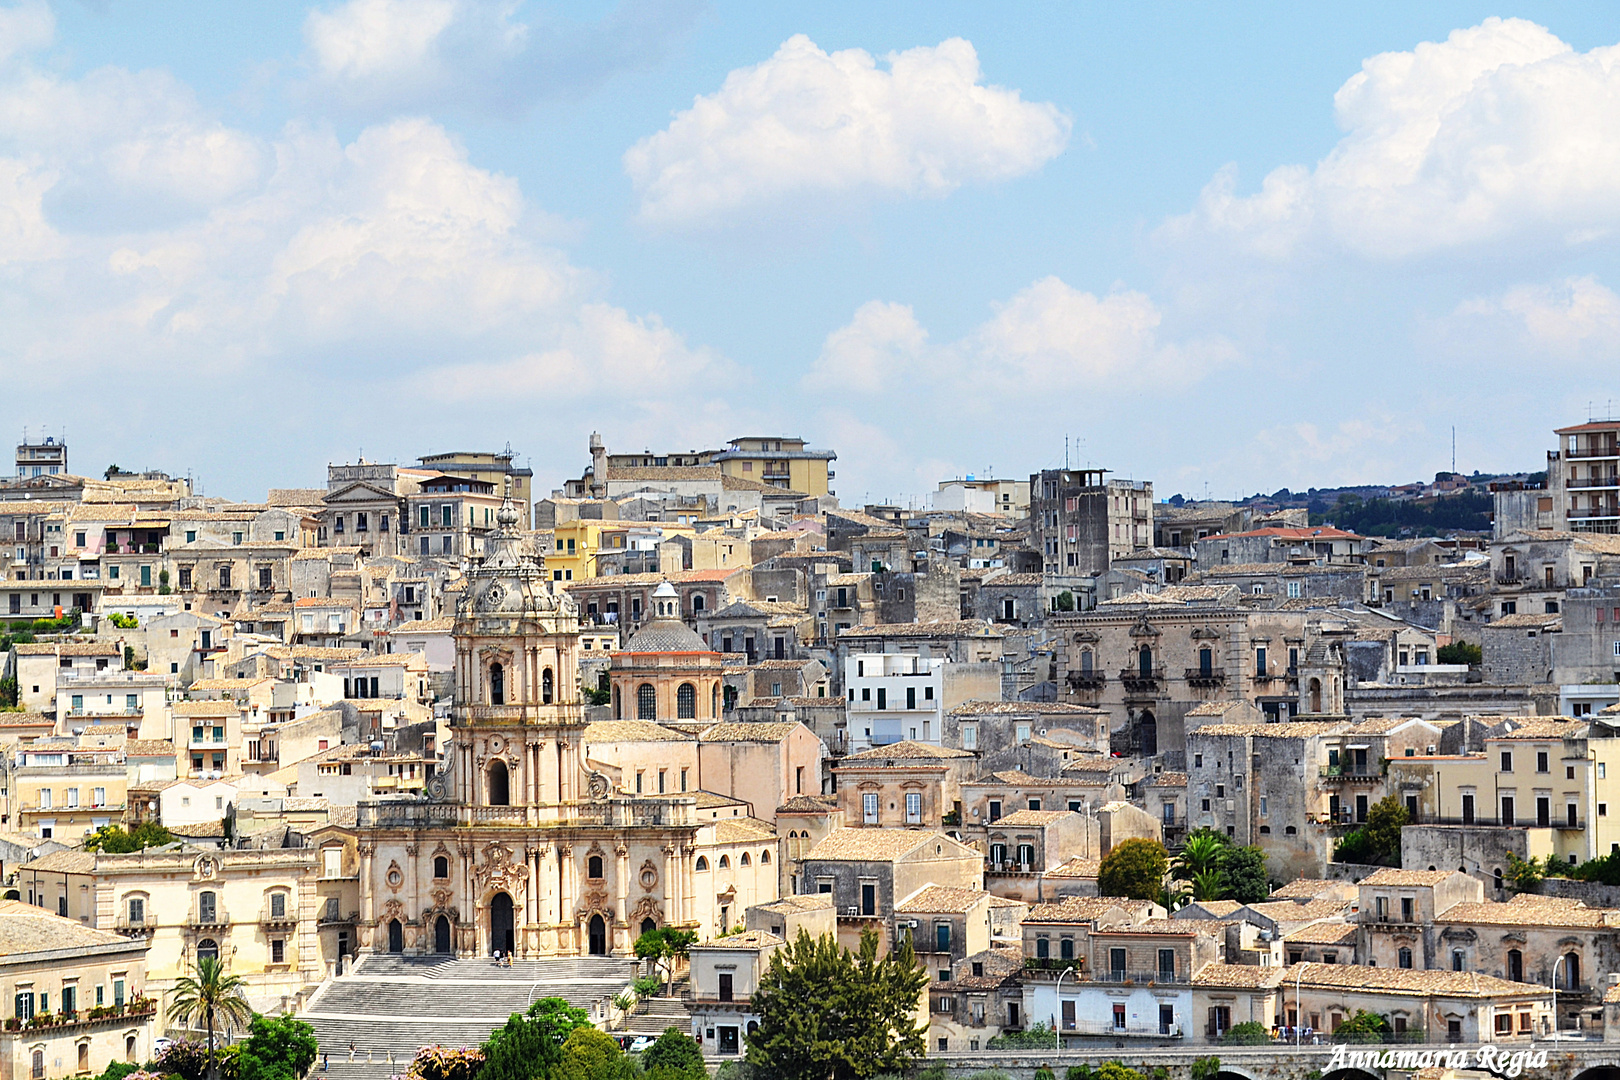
<point x="578" y="545"/>
<point x="783" y="463"/>
<point x="89" y="982"/>
<point x="63" y="790"/>
<point x="493" y="467"/>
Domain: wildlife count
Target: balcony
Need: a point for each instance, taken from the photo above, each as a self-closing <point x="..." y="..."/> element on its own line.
<point x="1086" y="681"/>
<point x="1602" y="450"/>
<point x="700" y="999"/>
<point x="1136" y="681"/>
<point x="328" y="919"/>
<point x="270" y="920"/>
<point x="1589" y="513"/>
<point x="1335" y="774"/>
<point x="212" y="920"/>
<point x="1104" y="1029"/>
<point x="1206" y="677"/>
<point x="1139" y="978"/>
<point x="1595" y="482"/>
<point x="142" y="927"/>
<point x="1509" y="577"/>
<point x="138" y="1009"/>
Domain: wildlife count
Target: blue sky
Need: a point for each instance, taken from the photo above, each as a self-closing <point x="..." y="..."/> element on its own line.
<point x="1241" y="246"/>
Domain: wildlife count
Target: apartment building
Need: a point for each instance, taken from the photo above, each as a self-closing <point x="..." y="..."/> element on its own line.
<point x="1081" y="520"/>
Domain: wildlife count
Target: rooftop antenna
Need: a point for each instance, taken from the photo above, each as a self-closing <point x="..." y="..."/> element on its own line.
<point x="1453" y="448"/>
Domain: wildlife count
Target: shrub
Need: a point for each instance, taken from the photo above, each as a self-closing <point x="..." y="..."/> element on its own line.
<point x="1044" y="1073"/>
<point x="444" y="1063"/>
<point x="1206" y="1068"/>
<point x="1460" y="652"/>
<point x="990" y="1074"/>
<point x="1035" y="1037"/>
<point x="1248" y="1033"/>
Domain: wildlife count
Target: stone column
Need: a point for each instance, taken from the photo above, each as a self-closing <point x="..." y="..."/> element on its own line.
<point x="621" y="884"/>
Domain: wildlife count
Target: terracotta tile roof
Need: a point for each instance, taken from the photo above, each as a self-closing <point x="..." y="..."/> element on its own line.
<point x="906" y="751"/>
<point x="426" y="626"/>
<point x="1029" y="818"/>
<point x="205" y="708"/>
<point x="1077" y="867"/>
<point x="1158" y="927"/>
<point x="25" y="929"/>
<point x="788" y="905"/>
<point x="662" y="472"/>
<point x="1551" y="727"/>
<point x="615" y="731"/>
<point x="1168" y="779"/>
<point x="873" y="845"/>
<point x="1076" y="909"/>
<point x="1291" y="729"/>
<point x="1013" y="776"/>
<point x="748" y="939"/>
<point x="956" y="628"/>
<point x="1528" y="910"/>
<point x="762" y="731"/>
<point x="1218" y="908"/>
<point x="1393" y="877"/>
<point x="1293" y="910"/>
<point x="1469" y="984"/>
<point x="807" y="804"/>
<point x="1526" y="620"/>
<point x="1217" y="708"/>
<point x="66" y="861"/>
<point x="1092" y="763"/>
<point x="69" y="648"/>
<point x="1025" y="708"/>
<point x="743" y="830"/>
<point x="1325" y="932"/>
<point x="148" y="748"/>
<point x="1238" y="976"/>
<point x="941" y="900"/>
<point x="1304" y="889"/>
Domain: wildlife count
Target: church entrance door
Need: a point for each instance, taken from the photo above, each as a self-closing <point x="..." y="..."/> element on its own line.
<point x="502" y="935"/>
<point x="441" y="934"/>
<point x="598" y="936"/>
<point x="396" y="936"/>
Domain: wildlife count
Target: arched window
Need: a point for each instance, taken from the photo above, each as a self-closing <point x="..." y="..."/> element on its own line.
<point x="1497" y="875"/>
<point x="207" y="949"/>
<point x="697" y="604"/>
<point x="278" y="905"/>
<point x="441" y="866"/>
<point x="648" y="925"/>
<point x="500" y="793"/>
<point x="725" y="862"/>
<point x="206" y="908"/>
<point x="745" y="860"/>
<point x="1404" y="957"/>
<point x="618" y="705"/>
<point x="129" y="1048"/>
<point x="497" y="685"/>
<point x="39" y="1065"/>
<point x="686" y="702"/>
<point x="546" y="687"/>
<point x="765" y="858"/>
<point x="702" y="863"/>
<point x="593" y="868"/>
<point x="1572" y="971"/>
<point x="646" y="702"/>
<point x="1316" y="695"/>
<point x="1515" y="966"/>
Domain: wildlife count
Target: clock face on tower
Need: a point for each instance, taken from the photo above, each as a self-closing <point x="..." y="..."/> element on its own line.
<point x="492" y="597"/>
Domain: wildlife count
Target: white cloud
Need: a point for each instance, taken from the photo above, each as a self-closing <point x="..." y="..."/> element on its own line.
<point x="383" y="283"/>
<point x="1031" y="372"/>
<point x="806" y="122"/>
<point x="26" y="27"/>
<point x="1500" y="133"/>
<point x="392" y="56"/>
<point x="1575" y="318"/>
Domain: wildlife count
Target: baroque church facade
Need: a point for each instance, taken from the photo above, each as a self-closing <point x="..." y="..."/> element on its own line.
<point x="521" y="847"/>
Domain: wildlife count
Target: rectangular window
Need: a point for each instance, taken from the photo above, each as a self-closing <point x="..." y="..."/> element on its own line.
<point x="1507" y="761"/>
<point x="278" y="951"/>
<point x="913" y="807"/>
<point x="868" y="898"/>
<point x="869" y="808"/>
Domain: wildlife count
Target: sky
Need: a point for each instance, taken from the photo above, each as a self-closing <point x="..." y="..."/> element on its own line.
<point x="1226" y="248"/>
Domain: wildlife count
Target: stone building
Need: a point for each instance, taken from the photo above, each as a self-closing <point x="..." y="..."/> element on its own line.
<point x="521" y="847"/>
<point x="665" y="671"/>
<point x="867" y="872"/>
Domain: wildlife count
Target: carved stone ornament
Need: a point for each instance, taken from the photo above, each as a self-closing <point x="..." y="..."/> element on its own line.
<point x="1086" y="637"/>
<point x="595" y="902"/>
<point x="649" y="876"/>
<point x="498" y="871"/>
<point x="1204" y="633"/>
<point x="205" y="867"/>
<point x="620" y="850"/>
<point x="1143" y="628"/>
<point x="492" y="597"/>
<point x="395" y="877"/>
<point x="496" y="744"/>
<point x="647" y="908"/>
<point x="598" y="787"/>
<point x="436" y="790"/>
<point x="495" y="654"/>
<point x="393" y="909"/>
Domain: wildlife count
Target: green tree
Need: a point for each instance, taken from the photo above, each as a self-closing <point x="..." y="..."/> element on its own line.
<point x="1206" y="1068"/>
<point x="1135" y="868"/>
<point x="1173" y="896"/>
<point x="529" y="1045"/>
<point x="1203" y="853"/>
<point x="1243" y="877"/>
<point x="8" y="692"/>
<point x="1525" y="875"/>
<point x="1248" y="1033"/>
<point x="1065" y="600"/>
<point x="445" y="1063"/>
<point x="1460" y="652"/>
<point x="589" y="1054"/>
<point x="183" y="1058"/>
<point x="277" y="1048"/>
<point x="113" y="840"/>
<point x="1364" y="1027"/>
<point x="674" y="1056"/>
<point x="665" y="946"/>
<point x="825" y="1014"/>
<point x="1383" y="829"/>
<point x="213" y="997"/>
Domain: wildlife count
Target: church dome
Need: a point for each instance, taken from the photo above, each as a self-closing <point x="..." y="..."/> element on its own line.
<point x="665" y="632"/>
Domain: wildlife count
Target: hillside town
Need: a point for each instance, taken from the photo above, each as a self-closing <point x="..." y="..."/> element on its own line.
<point x="399" y="749"/>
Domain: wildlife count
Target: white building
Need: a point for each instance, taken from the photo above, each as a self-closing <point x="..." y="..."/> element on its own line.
<point x="894" y="697"/>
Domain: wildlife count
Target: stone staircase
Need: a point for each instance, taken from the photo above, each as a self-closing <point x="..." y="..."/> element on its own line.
<point x="392" y="1005"/>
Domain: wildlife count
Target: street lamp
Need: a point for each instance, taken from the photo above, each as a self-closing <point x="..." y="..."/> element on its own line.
<point x="1057" y="1032"/>
<point x="1299" y="1012"/>
<point x="1554" y="981"/>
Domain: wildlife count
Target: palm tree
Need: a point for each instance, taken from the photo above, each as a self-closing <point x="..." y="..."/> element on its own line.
<point x="211" y="996"/>
<point x="1209" y="885"/>
<point x="1173" y="896"/>
<point x="1204" y="852"/>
